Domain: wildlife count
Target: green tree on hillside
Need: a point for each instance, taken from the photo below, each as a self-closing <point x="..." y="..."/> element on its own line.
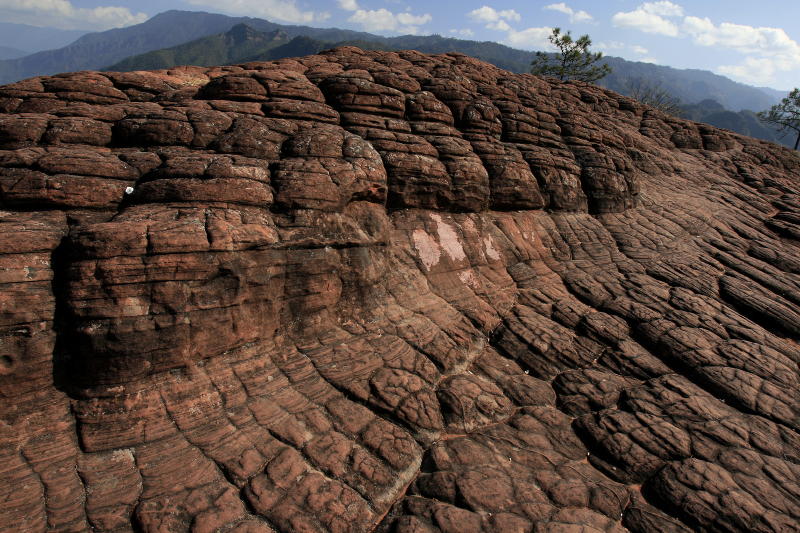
<point x="785" y="115"/>
<point x="573" y="61"/>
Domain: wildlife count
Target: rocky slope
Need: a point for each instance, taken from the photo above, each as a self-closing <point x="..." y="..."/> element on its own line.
<point x="393" y="292"/>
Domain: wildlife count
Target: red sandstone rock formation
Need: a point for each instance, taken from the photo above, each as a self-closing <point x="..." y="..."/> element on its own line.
<point x="367" y="291"/>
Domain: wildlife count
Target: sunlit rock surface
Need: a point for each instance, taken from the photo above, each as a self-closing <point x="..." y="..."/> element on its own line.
<point x="393" y="292"/>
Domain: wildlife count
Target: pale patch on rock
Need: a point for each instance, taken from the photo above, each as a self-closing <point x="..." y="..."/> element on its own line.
<point x="448" y="239"/>
<point x="132" y="306"/>
<point x="427" y="248"/>
<point x="469" y="226"/>
<point x="468" y="278"/>
<point x="491" y="252"/>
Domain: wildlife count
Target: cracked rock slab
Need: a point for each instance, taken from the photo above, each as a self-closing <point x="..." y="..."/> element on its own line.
<point x="394" y="292"/>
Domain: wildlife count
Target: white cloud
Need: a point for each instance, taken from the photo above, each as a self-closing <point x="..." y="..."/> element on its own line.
<point x="746" y="39"/>
<point x="63" y="15"/>
<point x="574" y="16"/>
<point x="698" y="27"/>
<point x="500" y="25"/>
<point x="282" y="10"/>
<point x="348" y="5"/>
<point x="464" y="32"/>
<point x="751" y="70"/>
<point x="620" y="48"/>
<point x="646" y="22"/>
<point x="610" y="45"/>
<point x="650" y="17"/>
<point x="769" y="50"/>
<point x="384" y="20"/>
<point x="663" y="8"/>
<point x="490" y="14"/>
<point x="495" y="20"/>
<point x="535" y="38"/>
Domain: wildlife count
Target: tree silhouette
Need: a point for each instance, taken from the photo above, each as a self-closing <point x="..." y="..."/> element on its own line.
<point x="574" y="61"/>
<point x="654" y="94"/>
<point x="785" y="115"/>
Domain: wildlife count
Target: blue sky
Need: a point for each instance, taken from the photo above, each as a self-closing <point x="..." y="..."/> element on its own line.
<point x="753" y="42"/>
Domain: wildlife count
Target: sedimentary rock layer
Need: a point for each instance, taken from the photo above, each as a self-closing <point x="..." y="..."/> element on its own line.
<point x="366" y="291"/>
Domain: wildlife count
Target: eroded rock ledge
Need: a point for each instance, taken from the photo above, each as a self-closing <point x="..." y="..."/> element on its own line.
<point x="395" y="292"/>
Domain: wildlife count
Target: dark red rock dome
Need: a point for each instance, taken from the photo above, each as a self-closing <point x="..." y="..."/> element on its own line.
<point x="369" y="291"/>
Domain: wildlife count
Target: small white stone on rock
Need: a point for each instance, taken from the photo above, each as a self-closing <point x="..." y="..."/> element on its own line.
<point x="128" y="190"/>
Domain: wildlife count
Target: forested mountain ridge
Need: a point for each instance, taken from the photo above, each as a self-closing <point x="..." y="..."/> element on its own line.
<point x="235" y="45"/>
<point x="165" y="30"/>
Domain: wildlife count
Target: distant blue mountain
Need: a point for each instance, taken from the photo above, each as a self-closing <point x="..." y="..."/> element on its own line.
<point x="9" y="52"/>
<point x="774" y="93"/>
<point x="97" y="50"/>
<point x="690" y="86"/>
<point x="31" y="39"/>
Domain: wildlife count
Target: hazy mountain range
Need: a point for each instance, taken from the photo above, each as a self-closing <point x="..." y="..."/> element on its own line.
<point x="197" y="38"/>
<point x="237" y="45"/>
<point x="101" y="49"/>
<point x="30" y="39"/>
<point x="9" y="52"/>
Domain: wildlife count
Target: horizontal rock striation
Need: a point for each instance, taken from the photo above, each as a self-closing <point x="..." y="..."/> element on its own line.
<point x="367" y="291"/>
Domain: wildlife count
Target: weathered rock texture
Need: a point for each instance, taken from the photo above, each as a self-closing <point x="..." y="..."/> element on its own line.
<point x="394" y="292"/>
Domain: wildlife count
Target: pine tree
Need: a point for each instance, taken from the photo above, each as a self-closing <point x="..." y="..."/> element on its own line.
<point x="785" y="115"/>
<point x="574" y="61"/>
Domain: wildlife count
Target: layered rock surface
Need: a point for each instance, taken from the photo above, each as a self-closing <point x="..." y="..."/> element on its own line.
<point x="367" y="291"/>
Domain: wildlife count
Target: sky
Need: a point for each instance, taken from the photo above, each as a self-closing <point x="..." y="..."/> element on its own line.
<point x="757" y="43"/>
